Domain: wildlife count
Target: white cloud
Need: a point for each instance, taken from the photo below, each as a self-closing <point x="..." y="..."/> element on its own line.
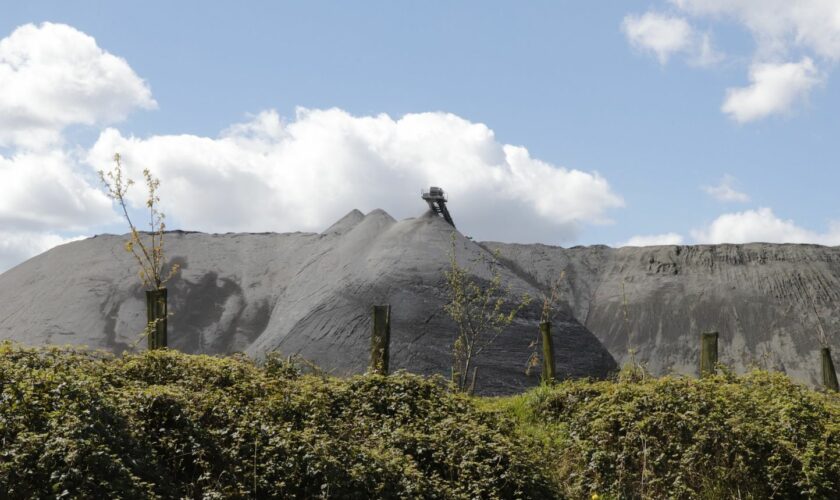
<point x="774" y="88"/>
<point x="761" y="225"/>
<point x="666" y="35"/>
<point x="47" y="190"/>
<point x="53" y="76"/>
<point x="784" y="30"/>
<point x="653" y="240"/>
<point x="725" y="192"/>
<point x="267" y="175"/>
<point x="778" y="25"/>
<point x="662" y="34"/>
<point x="263" y="174"/>
<point x="16" y="247"/>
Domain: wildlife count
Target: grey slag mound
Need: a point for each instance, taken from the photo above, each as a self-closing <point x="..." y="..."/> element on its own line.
<point x="310" y="294"/>
<point x="763" y="299"/>
<point x="299" y="293"/>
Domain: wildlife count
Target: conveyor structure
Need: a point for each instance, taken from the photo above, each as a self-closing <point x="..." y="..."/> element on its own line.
<point x="437" y="199"/>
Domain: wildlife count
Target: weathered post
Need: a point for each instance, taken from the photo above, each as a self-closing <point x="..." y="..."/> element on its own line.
<point x="547" y="353"/>
<point x="380" y="339"/>
<point x="156" y="313"/>
<point x="829" y="376"/>
<point x="708" y="353"/>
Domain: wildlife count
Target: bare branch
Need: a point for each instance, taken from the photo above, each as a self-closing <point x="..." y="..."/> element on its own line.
<point x="478" y="311"/>
<point x="150" y="258"/>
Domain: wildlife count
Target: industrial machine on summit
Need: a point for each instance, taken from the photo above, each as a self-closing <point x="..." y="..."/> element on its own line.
<point x="437" y="199"/>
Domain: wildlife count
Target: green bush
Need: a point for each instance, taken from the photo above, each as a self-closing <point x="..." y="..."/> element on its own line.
<point x="164" y="425"/>
<point x="756" y="436"/>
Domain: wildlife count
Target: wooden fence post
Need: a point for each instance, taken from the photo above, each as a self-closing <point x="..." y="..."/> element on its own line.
<point x="548" y="374"/>
<point x="708" y="353"/>
<point x="380" y="339"/>
<point x="156" y="315"/>
<point x="829" y="376"/>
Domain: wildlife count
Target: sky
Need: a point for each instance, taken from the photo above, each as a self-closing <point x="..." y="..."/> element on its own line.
<point x="565" y="123"/>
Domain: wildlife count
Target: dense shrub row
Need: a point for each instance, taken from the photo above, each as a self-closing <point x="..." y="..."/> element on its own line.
<point x="168" y="425"/>
<point x="754" y="436"/>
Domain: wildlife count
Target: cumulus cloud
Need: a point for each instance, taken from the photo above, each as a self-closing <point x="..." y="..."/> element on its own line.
<point x="263" y="174"/>
<point x="780" y="28"/>
<point x="653" y="240"/>
<point x="774" y="88"/>
<point x="725" y="192"/>
<point x="270" y="175"/>
<point x="779" y="25"/>
<point x="48" y="190"/>
<point x="762" y="225"/>
<point x="17" y="246"/>
<point x="53" y="76"/>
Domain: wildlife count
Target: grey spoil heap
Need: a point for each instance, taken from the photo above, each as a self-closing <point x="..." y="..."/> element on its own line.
<point x="311" y="293"/>
<point x="297" y="293"/>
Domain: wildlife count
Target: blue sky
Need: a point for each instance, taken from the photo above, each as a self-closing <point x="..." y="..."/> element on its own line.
<point x="632" y="95"/>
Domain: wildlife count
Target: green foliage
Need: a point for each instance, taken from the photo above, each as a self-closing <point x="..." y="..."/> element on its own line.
<point x="550" y="301"/>
<point x="164" y="425"/>
<point x="756" y="436"/>
<point x="481" y="312"/>
<point x="149" y="256"/>
<point x="167" y="425"/>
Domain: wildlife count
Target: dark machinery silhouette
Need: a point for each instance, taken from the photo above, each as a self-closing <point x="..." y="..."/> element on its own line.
<point x="437" y="199"/>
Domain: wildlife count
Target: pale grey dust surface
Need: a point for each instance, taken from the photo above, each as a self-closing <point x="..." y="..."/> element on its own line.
<point x="310" y="294"/>
<point x="760" y="297"/>
<point x="300" y="293"/>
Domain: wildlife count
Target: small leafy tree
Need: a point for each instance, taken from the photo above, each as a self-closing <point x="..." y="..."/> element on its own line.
<point x="481" y="312"/>
<point x="148" y="254"/>
<point x="634" y="370"/>
<point x="549" y="303"/>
